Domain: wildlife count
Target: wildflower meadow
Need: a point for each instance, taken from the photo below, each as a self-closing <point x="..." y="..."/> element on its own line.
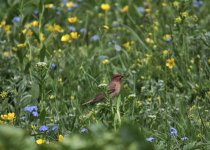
<point x="56" y="55"/>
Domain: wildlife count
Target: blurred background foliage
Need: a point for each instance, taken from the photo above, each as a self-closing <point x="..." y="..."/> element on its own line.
<point x="55" y="54"/>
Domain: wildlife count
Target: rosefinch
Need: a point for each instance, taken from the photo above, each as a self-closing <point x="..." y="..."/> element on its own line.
<point x="113" y="90"/>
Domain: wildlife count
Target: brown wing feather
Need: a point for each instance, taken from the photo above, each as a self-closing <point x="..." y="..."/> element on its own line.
<point x="111" y="87"/>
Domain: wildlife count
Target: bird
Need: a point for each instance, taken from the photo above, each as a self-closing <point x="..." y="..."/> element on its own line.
<point x="113" y="90"/>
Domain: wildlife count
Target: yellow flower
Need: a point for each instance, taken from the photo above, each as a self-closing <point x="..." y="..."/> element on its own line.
<point x="105" y="61"/>
<point x="72" y="19"/>
<point x="105" y="7"/>
<point x="48" y="5"/>
<point x="184" y="14"/>
<point x="33" y="126"/>
<point x="60" y="138"/>
<point x="178" y="19"/>
<point x="10" y="116"/>
<point x="176" y="4"/>
<point x="69" y="4"/>
<point x="39" y="141"/>
<point x="164" y="4"/>
<point x="170" y="63"/>
<point x="51" y="97"/>
<point x="165" y="52"/>
<point x="7" y="54"/>
<point x="148" y="11"/>
<point x="65" y="38"/>
<point x="127" y="45"/>
<point x="106" y="27"/>
<point x="74" y="35"/>
<point x="3" y="23"/>
<point x="3" y="94"/>
<point x="21" y="45"/>
<point x="4" y="117"/>
<point x="7" y="28"/>
<point x="27" y="32"/>
<point x="55" y="28"/>
<point x="149" y="41"/>
<point x="209" y="60"/>
<point x="35" y="23"/>
<point x="125" y="9"/>
<point x="41" y="36"/>
<point x="167" y="37"/>
<point x="194" y="18"/>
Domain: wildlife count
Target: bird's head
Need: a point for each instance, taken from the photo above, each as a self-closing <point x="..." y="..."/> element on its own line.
<point x="117" y="77"/>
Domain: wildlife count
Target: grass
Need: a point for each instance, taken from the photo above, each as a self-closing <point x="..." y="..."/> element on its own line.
<point x="55" y="62"/>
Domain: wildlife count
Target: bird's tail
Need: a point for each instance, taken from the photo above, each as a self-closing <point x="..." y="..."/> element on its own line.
<point x="88" y="102"/>
<point x="100" y="97"/>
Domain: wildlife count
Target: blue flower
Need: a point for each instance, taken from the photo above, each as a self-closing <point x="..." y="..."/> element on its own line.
<point x="184" y="138"/>
<point x="150" y="139"/>
<point x="197" y="3"/>
<point x="141" y="9"/>
<point x="35" y="114"/>
<point x="83" y="30"/>
<point x="43" y="128"/>
<point x="53" y="66"/>
<point x="117" y="47"/>
<point x="83" y="130"/>
<point x="94" y="38"/>
<point x="54" y="128"/>
<point x="30" y="108"/>
<point x="16" y="20"/>
<point x="64" y="2"/>
<point x="72" y="28"/>
<point x="103" y="57"/>
<point x="75" y="5"/>
<point x="173" y="132"/>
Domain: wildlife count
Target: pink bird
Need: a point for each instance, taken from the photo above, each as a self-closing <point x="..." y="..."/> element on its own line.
<point x="113" y="90"/>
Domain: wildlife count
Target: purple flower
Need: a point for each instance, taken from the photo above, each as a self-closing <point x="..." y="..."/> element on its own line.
<point x="94" y="38"/>
<point x="43" y="128"/>
<point x="173" y="132"/>
<point x="72" y="28"/>
<point x="16" y="20"/>
<point x="150" y="139"/>
<point x="54" y="128"/>
<point x="35" y="114"/>
<point x="141" y="9"/>
<point x="83" y="130"/>
<point x="83" y="30"/>
<point x="75" y="5"/>
<point x="197" y="3"/>
<point x="30" y="108"/>
<point x="53" y="66"/>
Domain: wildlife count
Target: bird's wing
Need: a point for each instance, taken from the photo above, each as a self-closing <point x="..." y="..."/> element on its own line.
<point x="111" y="87"/>
<point x="99" y="97"/>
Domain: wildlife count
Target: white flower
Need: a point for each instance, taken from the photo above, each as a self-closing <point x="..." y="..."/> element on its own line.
<point x="102" y="85"/>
